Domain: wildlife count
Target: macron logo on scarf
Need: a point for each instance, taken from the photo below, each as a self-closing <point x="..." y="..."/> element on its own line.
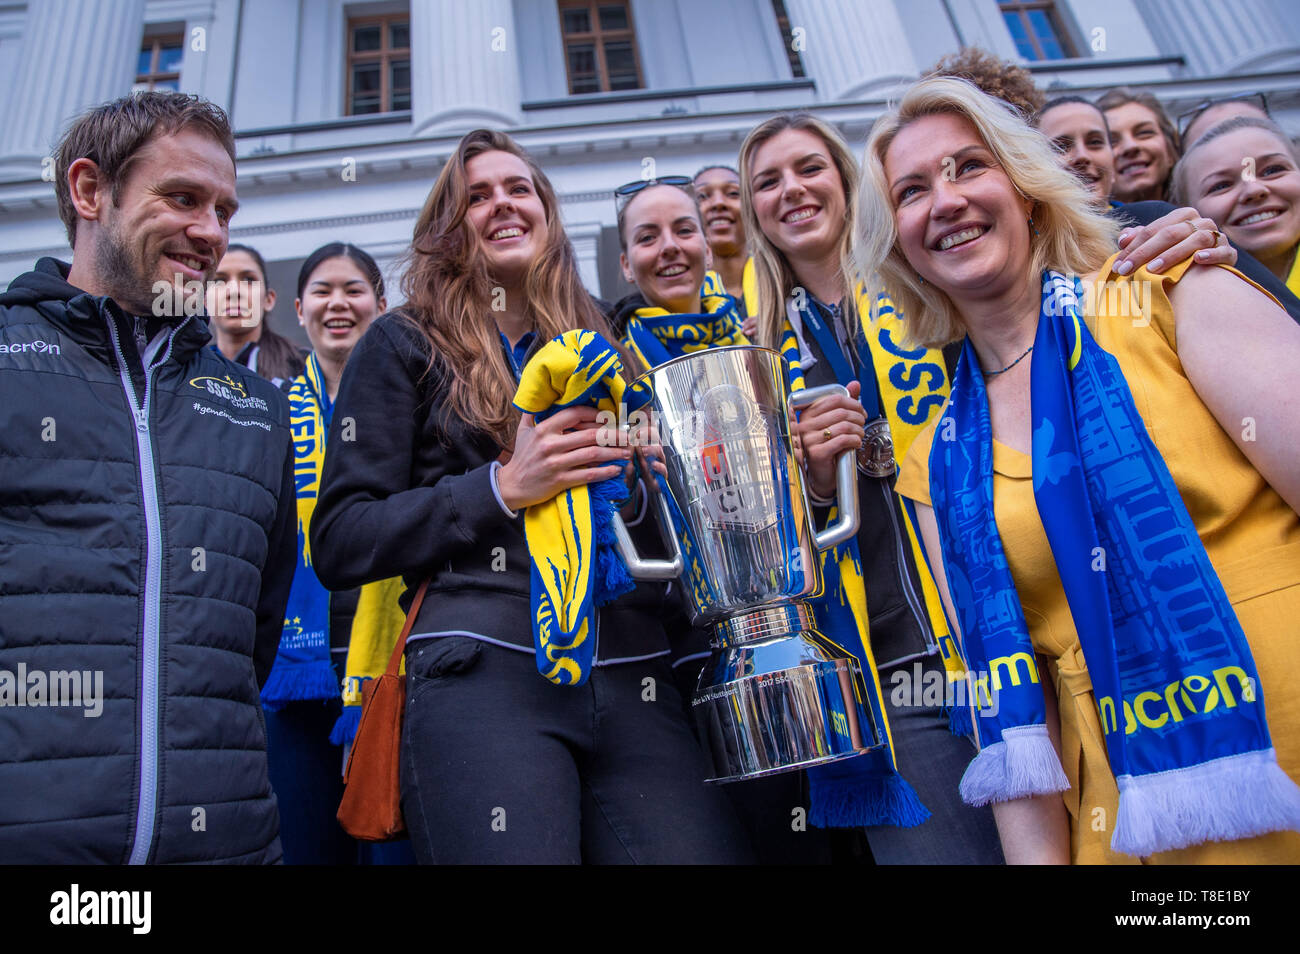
<point x="1157" y="615"/>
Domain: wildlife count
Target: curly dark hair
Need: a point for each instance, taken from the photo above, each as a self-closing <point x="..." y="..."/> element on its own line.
<point x="1000" y="79"/>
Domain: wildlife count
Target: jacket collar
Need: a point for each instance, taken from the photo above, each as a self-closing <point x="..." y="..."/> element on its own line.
<point x="81" y="316"/>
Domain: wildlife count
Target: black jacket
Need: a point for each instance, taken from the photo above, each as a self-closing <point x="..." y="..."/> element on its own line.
<point x="406" y="490"/>
<point x="1144" y="213"/>
<point x="154" y="547"/>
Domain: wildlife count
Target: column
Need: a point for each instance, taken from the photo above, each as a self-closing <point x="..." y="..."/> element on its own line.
<point x="851" y="47"/>
<point x="464" y="66"/>
<point x="585" y="239"/>
<point x="75" y="54"/>
<point x="1221" y="38"/>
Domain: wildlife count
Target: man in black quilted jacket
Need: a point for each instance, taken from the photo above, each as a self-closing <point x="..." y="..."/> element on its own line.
<point x="147" y="526"/>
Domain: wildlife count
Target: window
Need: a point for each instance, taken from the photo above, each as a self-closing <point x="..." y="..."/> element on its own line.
<point x="159" y="65"/>
<point x="379" y="64"/>
<point x="1036" y="28"/>
<point x="787" y="39"/>
<point x="599" y="46"/>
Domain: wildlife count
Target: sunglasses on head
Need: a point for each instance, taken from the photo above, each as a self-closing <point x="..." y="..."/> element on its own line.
<point x="623" y="194"/>
<point x="1186" y="118"/>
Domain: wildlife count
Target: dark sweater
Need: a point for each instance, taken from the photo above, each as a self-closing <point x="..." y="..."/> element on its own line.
<point x="1144" y="213"/>
<point x="406" y="490"/>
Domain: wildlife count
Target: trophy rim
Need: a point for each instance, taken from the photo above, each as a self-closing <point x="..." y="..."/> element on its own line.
<point x="681" y="358"/>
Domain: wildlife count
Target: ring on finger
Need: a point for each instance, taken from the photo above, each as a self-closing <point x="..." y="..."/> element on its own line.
<point x="826" y="434"/>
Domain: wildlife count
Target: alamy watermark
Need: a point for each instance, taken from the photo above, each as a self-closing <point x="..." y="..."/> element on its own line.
<point x="61" y="688"/>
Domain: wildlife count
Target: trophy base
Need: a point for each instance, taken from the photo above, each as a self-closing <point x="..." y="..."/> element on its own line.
<point x="778" y="696"/>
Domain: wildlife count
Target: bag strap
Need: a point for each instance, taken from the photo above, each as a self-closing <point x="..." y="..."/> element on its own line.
<point x="395" y="660"/>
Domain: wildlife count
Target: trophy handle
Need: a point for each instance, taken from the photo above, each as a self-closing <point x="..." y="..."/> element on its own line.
<point x="639" y="567"/>
<point x="846" y="480"/>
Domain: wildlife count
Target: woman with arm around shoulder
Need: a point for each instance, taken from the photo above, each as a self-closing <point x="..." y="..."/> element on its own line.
<point x="497" y="763"/>
<point x="1109" y="523"/>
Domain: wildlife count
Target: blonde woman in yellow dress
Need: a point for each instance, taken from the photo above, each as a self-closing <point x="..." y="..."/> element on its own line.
<point x="1108" y="501"/>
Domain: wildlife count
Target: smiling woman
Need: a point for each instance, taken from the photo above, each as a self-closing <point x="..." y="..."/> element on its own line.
<point x="432" y="488"/>
<point x="340" y="292"/>
<point x="1093" y="440"/>
<point x="799" y="187"/>
<point x="1244" y="173"/>
<point x="1145" y="143"/>
<point x="717" y="193"/>
<point x="1079" y="132"/>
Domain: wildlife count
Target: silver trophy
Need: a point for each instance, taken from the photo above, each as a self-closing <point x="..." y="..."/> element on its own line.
<point x="776" y="694"/>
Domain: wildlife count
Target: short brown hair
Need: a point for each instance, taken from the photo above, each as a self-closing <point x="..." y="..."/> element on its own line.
<point x="112" y="134"/>
<point x="1000" y="79"/>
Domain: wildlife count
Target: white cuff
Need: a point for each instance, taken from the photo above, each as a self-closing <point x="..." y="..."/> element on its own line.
<point x="496" y="492"/>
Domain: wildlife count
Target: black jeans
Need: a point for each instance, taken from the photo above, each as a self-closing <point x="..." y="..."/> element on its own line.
<point x="500" y="766"/>
<point x="933" y="760"/>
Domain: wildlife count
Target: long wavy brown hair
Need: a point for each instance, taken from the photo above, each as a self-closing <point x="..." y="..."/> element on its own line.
<point x="449" y="291"/>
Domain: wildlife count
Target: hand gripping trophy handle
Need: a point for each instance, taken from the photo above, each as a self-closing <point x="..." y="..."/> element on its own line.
<point x="846" y="479"/>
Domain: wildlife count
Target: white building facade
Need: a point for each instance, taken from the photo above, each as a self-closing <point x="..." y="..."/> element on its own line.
<point x="344" y="112"/>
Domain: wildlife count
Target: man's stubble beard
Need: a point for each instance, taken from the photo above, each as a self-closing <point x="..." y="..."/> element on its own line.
<point x="121" y="275"/>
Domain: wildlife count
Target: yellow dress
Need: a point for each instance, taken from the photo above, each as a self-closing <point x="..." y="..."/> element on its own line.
<point x="1250" y="534"/>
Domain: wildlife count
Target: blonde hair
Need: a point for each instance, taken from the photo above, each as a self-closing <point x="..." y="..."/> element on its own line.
<point x="772" y="272"/>
<point x="1069" y="235"/>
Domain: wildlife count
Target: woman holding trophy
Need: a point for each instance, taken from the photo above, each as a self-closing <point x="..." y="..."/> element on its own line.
<point x="432" y="482"/>
<point x="1108" y="499"/>
<point x="799" y="189"/>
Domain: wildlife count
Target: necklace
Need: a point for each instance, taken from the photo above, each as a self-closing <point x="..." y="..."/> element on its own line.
<point x="989" y="374"/>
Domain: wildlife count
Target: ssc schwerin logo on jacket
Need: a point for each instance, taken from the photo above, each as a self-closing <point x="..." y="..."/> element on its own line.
<point x="229" y="390"/>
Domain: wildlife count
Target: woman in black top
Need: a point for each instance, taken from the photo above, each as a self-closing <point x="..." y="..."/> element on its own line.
<point x="428" y="470"/>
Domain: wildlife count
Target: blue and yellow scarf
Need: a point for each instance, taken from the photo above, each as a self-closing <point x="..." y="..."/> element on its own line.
<point x="575" y="567"/>
<point x="302" y="668"/>
<point x="1164" y="649"/>
<point x="866" y="790"/>
<point x="655" y="335"/>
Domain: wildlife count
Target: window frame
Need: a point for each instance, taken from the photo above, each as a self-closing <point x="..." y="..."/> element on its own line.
<point x="1022" y="9"/>
<point x="797" y="69"/>
<point x="155" y="43"/>
<point x="597" y="37"/>
<point x="384" y="57"/>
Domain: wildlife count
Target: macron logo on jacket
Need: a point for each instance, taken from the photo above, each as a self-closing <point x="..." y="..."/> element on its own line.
<point x="36" y="347"/>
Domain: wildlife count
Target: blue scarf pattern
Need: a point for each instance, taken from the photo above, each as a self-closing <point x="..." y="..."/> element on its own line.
<point x="302" y="668"/>
<point x="655" y="335"/>
<point x="1194" y="761"/>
